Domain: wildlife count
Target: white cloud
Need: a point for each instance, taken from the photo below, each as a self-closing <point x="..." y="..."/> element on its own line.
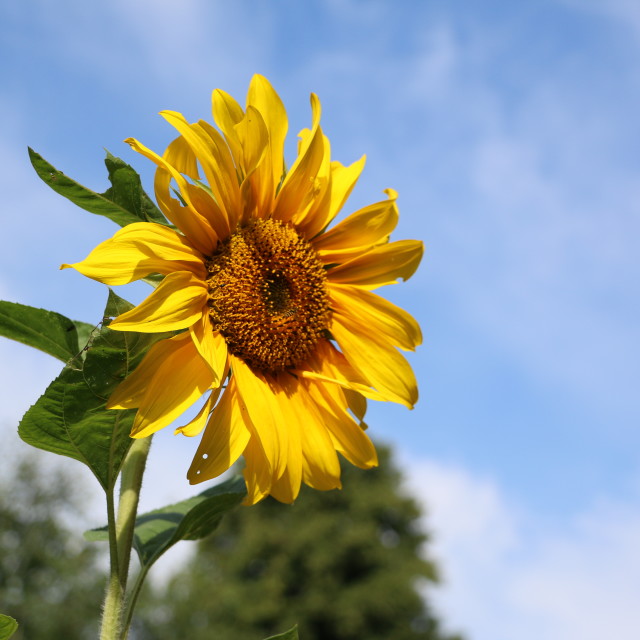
<point x="197" y="39"/>
<point x="508" y="573"/>
<point x="624" y="12"/>
<point x="532" y="204"/>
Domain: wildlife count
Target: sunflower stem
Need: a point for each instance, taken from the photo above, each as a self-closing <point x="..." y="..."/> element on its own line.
<point x="133" y="599"/>
<point x="130" y="484"/>
<point x="121" y="538"/>
<point x="111" y="611"/>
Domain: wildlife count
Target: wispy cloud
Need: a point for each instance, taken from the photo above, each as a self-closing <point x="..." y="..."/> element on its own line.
<point x="509" y="574"/>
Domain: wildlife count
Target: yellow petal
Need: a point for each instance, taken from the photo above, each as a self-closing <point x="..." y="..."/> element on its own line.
<point x="137" y="250"/>
<point x="205" y="204"/>
<point x="386" y="370"/>
<point x="263" y="97"/>
<point x="312" y="455"/>
<point x="254" y="138"/>
<point x="195" y="426"/>
<point x="224" y="439"/>
<point x="348" y="436"/>
<point x="172" y="384"/>
<point x="342" y="181"/>
<point x="258" y="188"/>
<point x="299" y="188"/>
<point x="381" y="265"/>
<point x="357" y="403"/>
<point x="212" y="347"/>
<point x="227" y="113"/>
<point x="286" y="488"/>
<point x="320" y="467"/>
<point x="327" y="364"/>
<point x="178" y="302"/>
<point x="263" y="406"/>
<point x="130" y="392"/>
<point x="215" y="159"/>
<point x="310" y="219"/>
<point x="257" y="473"/>
<point x="224" y="182"/>
<point x="181" y="157"/>
<point x="376" y="315"/>
<point x="187" y="218"/>
<point x="363" y="229"/>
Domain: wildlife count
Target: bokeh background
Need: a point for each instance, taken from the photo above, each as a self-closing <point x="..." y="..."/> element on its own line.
<point x="511" y="132"/>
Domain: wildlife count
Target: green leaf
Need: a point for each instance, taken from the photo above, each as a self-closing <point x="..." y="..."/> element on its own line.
<point x="71" y="418"/>
<point x="191" y="519"/>
<point x="8" y="626"/>
<point x="124" y="202"/>
<point x="45" y="330"/>
<point x="292" y="634"/>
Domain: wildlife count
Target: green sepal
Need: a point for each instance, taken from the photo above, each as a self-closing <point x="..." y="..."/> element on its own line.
<point x="292" y="634"/>
<point x="124" y="202"/>
<point x="8" y="626"/>
<point x="192" y="519"/>
<point x="71" y="418"/>
<point x="45" y="330"/>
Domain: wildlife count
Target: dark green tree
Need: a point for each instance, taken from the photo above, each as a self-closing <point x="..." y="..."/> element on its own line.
<point x="343" y="565"/>
<point x="49" y="580"/>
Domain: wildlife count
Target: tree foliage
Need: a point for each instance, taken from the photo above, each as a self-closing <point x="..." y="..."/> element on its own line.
<point x="343" y="565"/>
<point x="49" y="580"/>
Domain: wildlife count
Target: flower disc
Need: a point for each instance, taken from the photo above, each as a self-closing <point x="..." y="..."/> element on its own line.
<point x="267" y="295"/>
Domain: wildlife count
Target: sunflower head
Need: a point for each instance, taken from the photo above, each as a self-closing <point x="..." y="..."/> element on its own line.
<point x="275" y="318"/>
<point x="268" y="296"/>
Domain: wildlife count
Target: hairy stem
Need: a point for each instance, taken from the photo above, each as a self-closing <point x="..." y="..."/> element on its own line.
<point x="112" y="608"/>
<point x="121" y="539"/>
<point x="130" y="484"/>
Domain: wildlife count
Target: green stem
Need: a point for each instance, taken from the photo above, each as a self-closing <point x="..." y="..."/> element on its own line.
<point x="133" y="599"/>
<point x="130" y="484"/>
<point x="121" y="538"/>
<point x="111" y="612"/>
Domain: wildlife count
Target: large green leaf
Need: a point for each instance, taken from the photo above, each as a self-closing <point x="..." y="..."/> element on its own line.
<point x="292" y="634"/>
<point x="71" y="418"/>
<point x="8" y="626"/>
<point x="191" y="519"/>
<point x="45" y="330"/>
<point x="123" y="203"/>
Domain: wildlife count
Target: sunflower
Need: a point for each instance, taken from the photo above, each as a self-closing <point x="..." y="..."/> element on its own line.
<point x="274" y="316"/>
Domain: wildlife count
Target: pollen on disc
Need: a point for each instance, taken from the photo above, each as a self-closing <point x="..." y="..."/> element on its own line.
<point x="268" y="295"/>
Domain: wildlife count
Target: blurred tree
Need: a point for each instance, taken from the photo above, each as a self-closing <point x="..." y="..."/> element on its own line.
<point x="343" y="565"/>
<point x="49" y="580"/>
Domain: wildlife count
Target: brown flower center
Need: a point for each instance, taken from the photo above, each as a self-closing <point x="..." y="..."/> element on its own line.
<point x="267" y="295"/>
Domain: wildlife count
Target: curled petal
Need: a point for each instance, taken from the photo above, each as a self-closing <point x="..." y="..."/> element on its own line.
<point x="195" y="426"/>
<point x="187" y="218"/>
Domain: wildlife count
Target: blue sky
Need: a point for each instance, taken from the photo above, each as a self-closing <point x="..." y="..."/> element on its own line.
<point x="511" y="132"/>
